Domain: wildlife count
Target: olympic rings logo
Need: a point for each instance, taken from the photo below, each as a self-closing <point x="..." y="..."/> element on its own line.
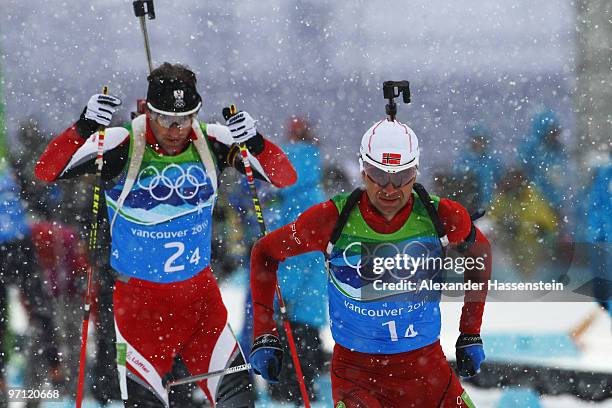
<point x="186" y="185"/>
<point x="363" y="267"/>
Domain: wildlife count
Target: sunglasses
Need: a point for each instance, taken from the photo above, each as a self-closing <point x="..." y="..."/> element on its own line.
<point x="382" y="178"/>
<point x="168" y="121"/>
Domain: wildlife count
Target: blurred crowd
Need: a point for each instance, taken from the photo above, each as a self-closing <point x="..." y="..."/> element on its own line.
<point x="541" y="204"/>
<point x="537" y="203"/>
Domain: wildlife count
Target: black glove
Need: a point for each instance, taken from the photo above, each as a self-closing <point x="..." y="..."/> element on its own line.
<point x="470" y="354"/>
<point x="267" y="357"/>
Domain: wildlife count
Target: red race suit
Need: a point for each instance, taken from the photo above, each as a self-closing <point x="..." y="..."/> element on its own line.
<point x="418" y="378"/>
<point x="173" y="307"/>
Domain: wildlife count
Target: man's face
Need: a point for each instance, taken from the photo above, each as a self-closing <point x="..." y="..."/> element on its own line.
<point x="552" y="136"/>
<point x="479" y="144"/>
<point x="388" y="200"/>
<point x="172" y="139"/>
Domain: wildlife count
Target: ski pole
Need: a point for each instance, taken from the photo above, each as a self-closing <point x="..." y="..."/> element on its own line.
<point x="93" y="245"/>
<point x="200" y="377"/>
<point x="144" y="8"/>
<point x="227" y="113"/>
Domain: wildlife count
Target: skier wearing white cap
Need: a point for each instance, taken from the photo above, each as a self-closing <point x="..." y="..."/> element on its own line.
<point x="387" y="351"/>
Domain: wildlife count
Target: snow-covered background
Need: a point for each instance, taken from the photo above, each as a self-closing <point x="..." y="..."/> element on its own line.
<point x="498" y="62"/>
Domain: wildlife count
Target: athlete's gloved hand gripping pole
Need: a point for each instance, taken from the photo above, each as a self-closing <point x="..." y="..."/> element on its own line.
<point x="470" y="354"/>
<point x="266" y="353"/>
<point x="469" y="350"/>
<point x="96" y="116"/>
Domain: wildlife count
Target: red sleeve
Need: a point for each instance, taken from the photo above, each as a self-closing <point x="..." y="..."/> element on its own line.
<point x="474" y="300"/>
<point x="58" y="154"/>
<point x="455" y="219"/>
<point x="458" y="224"/>
<point x="310" y="232"/>
<point x="276" y="165"/>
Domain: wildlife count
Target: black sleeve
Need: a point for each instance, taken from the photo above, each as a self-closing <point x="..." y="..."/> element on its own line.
<point x="114" y="162"/>
<point x="229" y="156"/>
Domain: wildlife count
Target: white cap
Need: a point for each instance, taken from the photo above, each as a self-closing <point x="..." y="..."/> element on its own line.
<point x="390" y="146"/>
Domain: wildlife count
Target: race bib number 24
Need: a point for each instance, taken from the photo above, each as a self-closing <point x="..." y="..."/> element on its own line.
<point x="177" y="258"/>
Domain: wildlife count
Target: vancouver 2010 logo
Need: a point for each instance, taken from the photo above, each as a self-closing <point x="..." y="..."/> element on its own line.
<point x="186" y="183"/>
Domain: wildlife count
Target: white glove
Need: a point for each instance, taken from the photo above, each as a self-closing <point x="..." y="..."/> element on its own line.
<point x="242" y="127"/>
<point x="100" y="108"/>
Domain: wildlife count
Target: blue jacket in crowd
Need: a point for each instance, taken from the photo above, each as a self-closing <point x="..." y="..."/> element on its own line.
<point x="599" y="216"/>
<point x="303" y="279"/>
<point x="600" y="206"/>
<point x="484" y="166"/>
<point x="13" y="225"/>
<point x="546" y="161"/>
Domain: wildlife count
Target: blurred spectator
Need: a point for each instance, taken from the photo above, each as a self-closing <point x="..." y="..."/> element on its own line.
<point x="228" y="248"/>
<point x="303" y="290"/>
<point x="525" y="224"/>
<point x="600" y="232"/>
<point x="545" y="160"/>
<point x="62" y="256"/>
<point x="444" y="184"/>
<point x="18" y="266"/>
<point x="457" y="186"/>
<point x="335" y="181"/>
<point x="62" y="253"/>
<point x="478" y="169"/>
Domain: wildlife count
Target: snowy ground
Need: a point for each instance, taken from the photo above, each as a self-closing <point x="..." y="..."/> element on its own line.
<point x="502" y="320"/>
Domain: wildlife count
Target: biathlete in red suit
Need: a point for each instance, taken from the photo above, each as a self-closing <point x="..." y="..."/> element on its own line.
<point x="160" y="174"/>
<point x="387" y="351"/>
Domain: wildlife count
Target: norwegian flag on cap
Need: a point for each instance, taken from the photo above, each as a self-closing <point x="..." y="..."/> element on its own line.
<point x="391" y="158"/>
